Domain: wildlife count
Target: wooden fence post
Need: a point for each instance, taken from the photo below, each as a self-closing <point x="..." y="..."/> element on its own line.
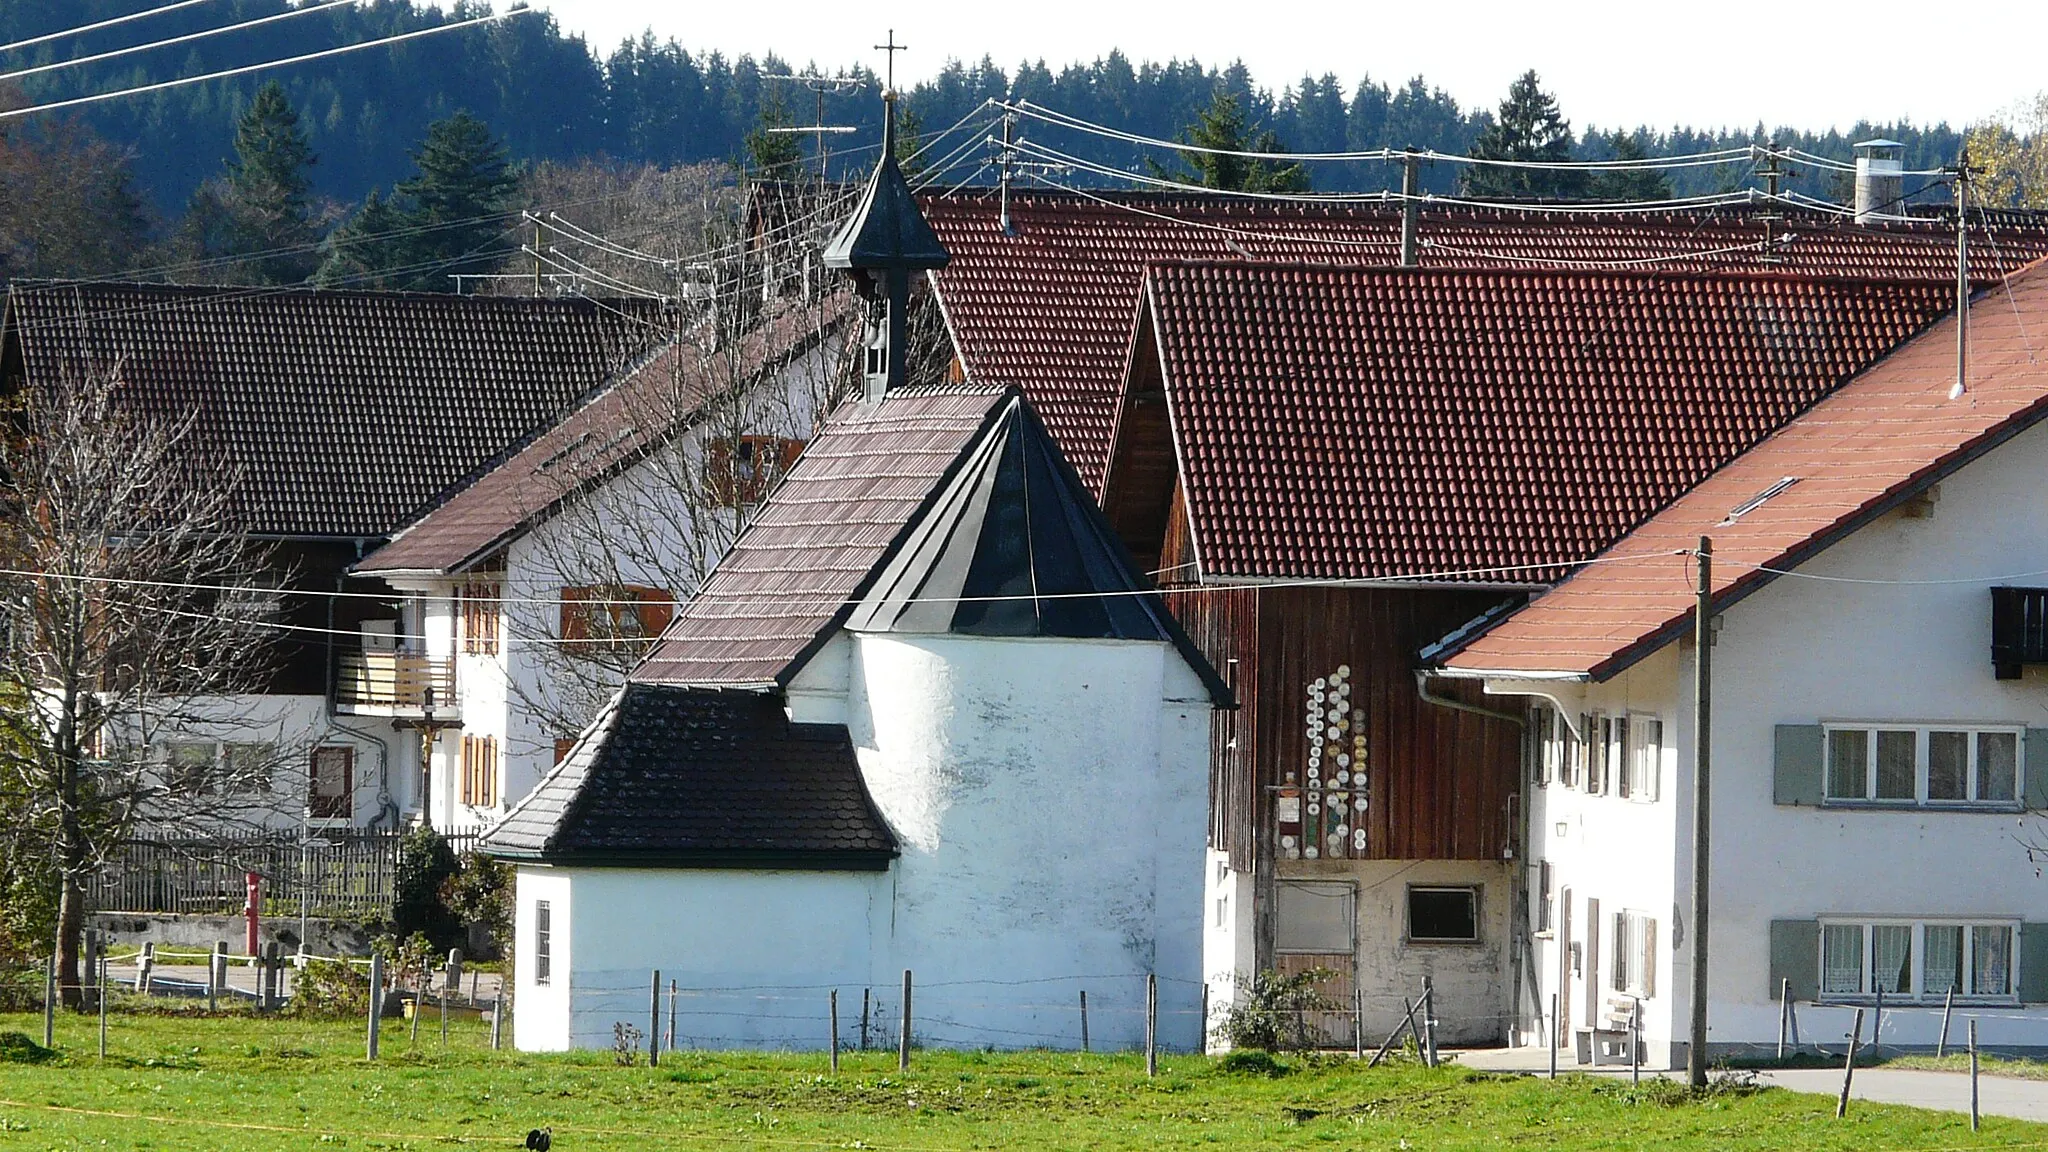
<point x="1948" y="1006"/>
<point x="1973" y="1073"/>
<point x="834" y="1038"/>
<point x="216" y="975"/>
<point x="671" y="1014"/>
<point x="1784" y="1013"/>
<point x="1084" y="1019"/>
<point x="376" y="1005"/>
<point x="50" y="1002"/>
<point x="1552" y="1029"/>
<point x="1877" y="1022"/>
<point x="1151" y="1024"/>
<point x="103" y="1006"/>
<point x="1635" y="1041"/>
<point x="903" y="1034"/>
<point x="1357" y="1022"/>
<point x="1428" y="1022"/>
<point x="1849" y="1066"/>
<point x="866" y="994"/>
<point x="654" y="1021"/>
<point x="1205" y="1018"/>
<point x="1407" y="1021"/>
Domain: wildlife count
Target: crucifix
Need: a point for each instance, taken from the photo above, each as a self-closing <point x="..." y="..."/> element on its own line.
<point x="892" y="48"/>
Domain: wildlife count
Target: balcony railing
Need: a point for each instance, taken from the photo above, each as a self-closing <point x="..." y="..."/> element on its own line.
<point x="2019" y="630"/>
<point x="401" y="684"/>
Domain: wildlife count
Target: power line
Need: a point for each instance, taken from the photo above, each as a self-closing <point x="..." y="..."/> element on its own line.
<point x="287" y="14"/>
<point x="82" y="29"/>
<point x="248" y="68"/>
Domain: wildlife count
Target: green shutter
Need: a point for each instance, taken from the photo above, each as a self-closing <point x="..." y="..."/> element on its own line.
<point x="1795" y="956"/>
<point x="2034" y="963"/>
<point x="1796" y="778"/>
<point x="2035" y="793"/>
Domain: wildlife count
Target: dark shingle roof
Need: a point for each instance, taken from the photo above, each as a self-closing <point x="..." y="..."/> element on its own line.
<point x="682" y="777"/>
<point x="346" y="412"/>
<point x="1360" y="423"/>
<point x="1880" y="439"/>
<point x="1048" y="307"/>
<point x="813" y="546"/>
<point x="659" y="397"/>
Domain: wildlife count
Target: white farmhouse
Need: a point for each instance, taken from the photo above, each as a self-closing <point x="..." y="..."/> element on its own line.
<point x="1879" y="723"/>
<point x="923" y="718"/>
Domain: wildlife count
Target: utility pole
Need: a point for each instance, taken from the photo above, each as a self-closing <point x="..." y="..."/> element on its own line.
<point x="1771" y="174"/>
<point x="819" y="86"/>
<point x="1962" y="171"/>
<point x="1702" y="743"/>
<point x="1411" y="207"/>
<point x="1009" y="158"/>
<point x="538" y="271"/>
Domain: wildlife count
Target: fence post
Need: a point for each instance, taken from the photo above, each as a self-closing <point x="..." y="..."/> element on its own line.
<point x="671" y="1040"/>
<point x="1428" y="1022"/>
<point x="143" y="963"/>
<point x="654" y="1021"/>
<point x="1635" y="1041"/>
<point x="376" y="1003"/>
<point x="214" y="975"/>
<point x="1948" y="1005"/>
<point x="1973" y="1073"/>
<point x="834" y="1037"/>
<point x="498" y="1017"/>
<point x="1877" y="1022"/>
<point x="865" y="994"/>
<point x="1151" y="1024"/>
<point x="103" y="1007"/>
<point x="50" y="1001"/>
<point x="903" y="1034"/>
<point x="1784" y="1013"/>
<point x="1357" y="1022"/>
<point x="1849" y="1066"/>
<point x="91" y="966"/>
<point x="1407" y="1021"/>
<point x="1552" y="1029"/>
<point x="1084" y="1019"/>
<point x="1204" y="1049"/>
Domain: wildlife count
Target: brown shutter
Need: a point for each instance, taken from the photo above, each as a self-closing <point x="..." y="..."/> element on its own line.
<point x="575" y="614"/>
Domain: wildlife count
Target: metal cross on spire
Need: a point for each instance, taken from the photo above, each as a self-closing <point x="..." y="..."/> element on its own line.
<point x="892" y="48"/>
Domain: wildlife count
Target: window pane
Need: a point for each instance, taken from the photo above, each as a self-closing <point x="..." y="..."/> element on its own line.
<point x="1895" y="765"/>
<point x="1891" y="957"/>
<point x="1997" y="765"/>
<point x="1991" y="960"/>
<point x="1942" y="967"/>
<point x="1443" y="914"/>
<point x="1848" y="764"/>
<point x="1841" y="963"/>
<point x="1948" y="765"/>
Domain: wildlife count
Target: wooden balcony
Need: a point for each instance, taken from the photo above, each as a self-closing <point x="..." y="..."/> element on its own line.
<point x="2019" y="630"/>
<point x="402" y="685"/>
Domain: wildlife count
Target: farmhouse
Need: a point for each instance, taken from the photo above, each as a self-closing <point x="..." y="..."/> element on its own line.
<point x="1877" y="732"/>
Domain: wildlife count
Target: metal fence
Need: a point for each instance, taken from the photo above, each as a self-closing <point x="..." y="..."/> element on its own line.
<point x="348" y="874"/>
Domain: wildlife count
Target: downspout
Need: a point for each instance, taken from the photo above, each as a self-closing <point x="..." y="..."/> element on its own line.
<point x="1428" y="697"/>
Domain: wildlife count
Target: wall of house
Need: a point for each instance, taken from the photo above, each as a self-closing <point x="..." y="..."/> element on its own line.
<point x="293" y="726"/>
<point x="1858" y="640"/>
<point x="1228" y="957"/>
<point x="754" y="955"/>
<point x="1048" y="796"/>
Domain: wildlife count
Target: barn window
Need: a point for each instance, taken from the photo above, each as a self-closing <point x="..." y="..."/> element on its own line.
<point x="1443" y="915"/>
<point x="543" y="942"/>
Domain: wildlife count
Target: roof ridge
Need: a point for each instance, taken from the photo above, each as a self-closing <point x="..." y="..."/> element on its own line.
<point x="1547" y="271"/>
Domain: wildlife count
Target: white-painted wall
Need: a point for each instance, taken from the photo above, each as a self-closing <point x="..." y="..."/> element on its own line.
<point x="1229" y="942"/>
<point x="294" y="726"/>
<point x="1050" y="798"/>
<point x="1803" y="651"/>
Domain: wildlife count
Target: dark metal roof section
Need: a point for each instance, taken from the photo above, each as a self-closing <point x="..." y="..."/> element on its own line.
<point x="1014" y="546"/>
<point x="701" y="778"/>
<point x="887" y="230"/>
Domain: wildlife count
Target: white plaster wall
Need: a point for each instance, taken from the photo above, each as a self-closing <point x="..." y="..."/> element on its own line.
<point x="755" y="955"/>
<point x="1229" y="941"/>
<point x="1050" y="798"/>
<point x="1802" y="651"/>
<point x="295" y="725"/>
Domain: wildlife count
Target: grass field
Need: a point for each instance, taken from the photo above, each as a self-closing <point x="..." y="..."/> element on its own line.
<point x="232" y="1084"/>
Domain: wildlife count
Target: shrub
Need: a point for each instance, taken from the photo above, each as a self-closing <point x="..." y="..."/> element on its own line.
<point x="17" y="1048"/>
<point x="481" y="894"/>
<point x="425" y="863"/>
<point x="329" y="990"/>
<point x="1252" y="1062"/>
<point x="1274" y="1016"/>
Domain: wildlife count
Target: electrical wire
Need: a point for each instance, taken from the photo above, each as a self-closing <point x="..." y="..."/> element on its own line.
<point x="287" y="14"/>
<point x="82" y="29"/>
<point x="245" y="69"/>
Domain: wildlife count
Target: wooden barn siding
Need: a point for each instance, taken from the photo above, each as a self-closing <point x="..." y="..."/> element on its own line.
<point x="1441" y="778"/>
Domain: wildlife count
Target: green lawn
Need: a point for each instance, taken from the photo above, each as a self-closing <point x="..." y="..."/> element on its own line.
<point x="233" y="1083"/>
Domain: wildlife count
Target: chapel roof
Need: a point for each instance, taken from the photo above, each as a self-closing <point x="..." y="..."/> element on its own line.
<point x="1878" y="441"/>
<point x="345" y="412"/>
<point x="1467" y="425"/>
<point x="1047" y="306"/>
<point x="683" y="777"/>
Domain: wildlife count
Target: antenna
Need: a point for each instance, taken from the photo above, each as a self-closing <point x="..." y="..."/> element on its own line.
<point x="1963" y="172"/>
<point x="819" y="86"/>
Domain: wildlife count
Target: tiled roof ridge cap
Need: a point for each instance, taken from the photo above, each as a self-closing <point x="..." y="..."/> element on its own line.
<point x="234" y="293"/>
<point x="1546" y="271"/>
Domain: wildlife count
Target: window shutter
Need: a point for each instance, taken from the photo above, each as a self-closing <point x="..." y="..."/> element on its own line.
<point x="1795" y="956"/>
<point x="2034" y="962"/>
<point x="656" y="610"/>
<point x="575" y="614"/>
<point x="1797" y="776"/>
<point x="2035" y="793"/>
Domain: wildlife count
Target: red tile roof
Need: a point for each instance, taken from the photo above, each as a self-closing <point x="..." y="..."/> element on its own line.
<point x="810" y="551"/>
<point x="1048" y="309"/>
<point x="662" y="394"/>
<point x="1372" y="423"/>
<point x="1877" y="441"/>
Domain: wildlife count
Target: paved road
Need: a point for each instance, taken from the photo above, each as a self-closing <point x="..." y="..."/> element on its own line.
<point x="1942" y="1091"/>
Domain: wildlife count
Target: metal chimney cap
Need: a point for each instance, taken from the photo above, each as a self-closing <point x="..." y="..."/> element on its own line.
<point x="1878" y="143"/>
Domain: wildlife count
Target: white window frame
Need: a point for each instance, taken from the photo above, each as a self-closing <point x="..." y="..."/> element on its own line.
<point x="1921" y="743"/>
<point x="1917" y="992"/>
<point x="1633" y="960"/>
<point x="1643" y="774"/>
<point x="543" y="943"/>
<point x="1596" y="745"/>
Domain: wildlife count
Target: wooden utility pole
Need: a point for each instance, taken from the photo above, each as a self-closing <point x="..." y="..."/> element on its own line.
<point x="1702" y="743"/>
<point x="1962" y="384"/>
<point x="1411" y="207"/>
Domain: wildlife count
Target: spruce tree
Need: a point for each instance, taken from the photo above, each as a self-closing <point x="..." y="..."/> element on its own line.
<point x="1628" y="184"/>
<point x="774" y="155"/>
<point x="464" y="188"/>
<point x="370" y="250"/>
<point x="1529" y="128"/>
<point x="261" y="206"/>
<point x="1224" y="128"/>
<point x="909" y="138"/>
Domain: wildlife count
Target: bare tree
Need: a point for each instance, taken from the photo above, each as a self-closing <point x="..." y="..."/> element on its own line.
<point x="126" y="623"/>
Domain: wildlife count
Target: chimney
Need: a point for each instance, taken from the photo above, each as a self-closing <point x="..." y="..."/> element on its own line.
<point x="1880" y="179"/>
<point x="886" y="243"/>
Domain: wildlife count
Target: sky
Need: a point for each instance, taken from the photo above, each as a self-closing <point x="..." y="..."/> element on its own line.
<point x="1803" y="64"/>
